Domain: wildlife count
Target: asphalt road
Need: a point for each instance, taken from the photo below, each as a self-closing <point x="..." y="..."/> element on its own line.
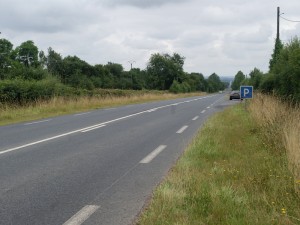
<point x="97" y="167"/>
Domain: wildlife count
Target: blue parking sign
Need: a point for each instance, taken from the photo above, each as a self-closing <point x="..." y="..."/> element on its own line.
<point x="246" y="91"/>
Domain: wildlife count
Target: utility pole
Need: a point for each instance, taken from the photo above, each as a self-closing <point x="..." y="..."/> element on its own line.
<point x="131" y="62"/>
<point x="278" y="17"/>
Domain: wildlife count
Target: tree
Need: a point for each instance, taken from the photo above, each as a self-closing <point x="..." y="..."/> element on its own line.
<point x="238" y="79"/>
<point x="54" y="63"/>
<point x="163" y="69"/>
<point x="278" y="47"/>
<point x="196" y="81"/>
<point x="74" y="66"/>
<point x="214" y="83"/>
<point x="5" y="52"/>
<point x="255" y="78"/>
<point x="287" y="71"/>
<point x="27" y="53"/>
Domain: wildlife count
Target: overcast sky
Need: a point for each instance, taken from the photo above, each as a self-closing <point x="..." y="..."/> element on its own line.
<point x="221" y="36"/>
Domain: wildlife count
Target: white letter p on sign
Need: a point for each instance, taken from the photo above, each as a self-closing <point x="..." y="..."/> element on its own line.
<point x="246" y="91"/>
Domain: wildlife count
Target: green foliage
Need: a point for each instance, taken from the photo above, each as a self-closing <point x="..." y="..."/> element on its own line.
<point x="284" y="77"/>
<point x="25" y="91"/>
<point x="255" y="78"/>
<point x="27" y="64"/>
<point x="27" y="53"/>
<point x="277" y="49"/>
<point x="238" y="79"/>
<point x="177" y="87"/>
<point x="196" y="81"/>
<point x="214" y="83"/>
<point x="287" y="71"/>
<point x="163" y="69"/>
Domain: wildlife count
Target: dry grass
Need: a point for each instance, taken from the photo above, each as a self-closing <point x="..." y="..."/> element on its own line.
<point x="280" y="123"/>
<point x="60" y="106"/>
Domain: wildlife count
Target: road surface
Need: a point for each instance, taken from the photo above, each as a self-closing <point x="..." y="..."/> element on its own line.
<point x="97" y="167"/>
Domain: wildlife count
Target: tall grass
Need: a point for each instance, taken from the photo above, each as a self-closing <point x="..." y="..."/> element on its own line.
<point x="280" y="124"/>
<point x="65" y="105"/>
<point x="229" y="175"/>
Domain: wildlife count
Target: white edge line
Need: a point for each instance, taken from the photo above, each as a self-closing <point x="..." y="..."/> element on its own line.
<point x="86" y="128"/>
<point x="181" y="129"/>
<point x="37" y="142"/>
<point x="93" y="128"/>
<point x="82" y="215"/>
<point x="195" y="118"/>
<point x="153" y="154"/>
<point x="80" y="114"/>
<point x="41" y="121"/>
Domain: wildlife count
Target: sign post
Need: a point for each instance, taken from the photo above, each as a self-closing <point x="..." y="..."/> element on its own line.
<point x="246" y="93"/>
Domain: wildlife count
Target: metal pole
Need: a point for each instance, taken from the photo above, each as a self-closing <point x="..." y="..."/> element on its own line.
<point x="278" y="17"/>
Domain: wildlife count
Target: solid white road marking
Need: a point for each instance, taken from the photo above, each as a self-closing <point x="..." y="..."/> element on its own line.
<point x="182" y="129"/>
<point x="80" y="114"/>
<point x="82" y="215"/>
<point x="93" y="128"/>
<point x="153" y="154"/>
<point x="110" y="109"/>
<point x="96" y="125"/>
<point x="195" y="118"/>
<point x="203" y="111"/>
<point x="41" y="121"/>
<point x="152" y="110"/>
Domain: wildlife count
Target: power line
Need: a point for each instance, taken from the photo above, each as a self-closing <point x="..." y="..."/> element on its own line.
<point x="294" y="21"/>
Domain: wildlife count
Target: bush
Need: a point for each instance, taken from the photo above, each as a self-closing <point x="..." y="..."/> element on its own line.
<point x="24" y="91"/>
<point x="177" y="87"/>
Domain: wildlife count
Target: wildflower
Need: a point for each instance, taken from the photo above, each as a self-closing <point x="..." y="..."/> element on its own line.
<point x="283" y="211"/>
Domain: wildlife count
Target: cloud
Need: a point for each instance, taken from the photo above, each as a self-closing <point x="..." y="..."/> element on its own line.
<point x="214" y="36"/>
<point x="141" y="4"/>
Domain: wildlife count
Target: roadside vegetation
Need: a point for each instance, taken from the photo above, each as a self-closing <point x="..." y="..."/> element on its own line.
<point x="11" y="113"/>
<point x="28" y="74"/>
<point x="241" y="168"/>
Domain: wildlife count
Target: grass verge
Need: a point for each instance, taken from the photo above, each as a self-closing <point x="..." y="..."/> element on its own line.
<point x="228" y="175"/>
<point x="60" y="105"/>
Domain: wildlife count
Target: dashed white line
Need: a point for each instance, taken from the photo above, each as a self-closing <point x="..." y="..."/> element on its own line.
<point x="203" y="111"/>
<point x="82" y="215"/>
<point x="41" y="121"/>
<point x="182" y="129"/>
<point x="195" y="118"/>
<point x="153" y="154"/>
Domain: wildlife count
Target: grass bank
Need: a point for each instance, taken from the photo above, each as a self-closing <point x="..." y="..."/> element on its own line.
<point x="62" y="105"/>
<point x="279" y="122"/>
<point x="230" y="174"/>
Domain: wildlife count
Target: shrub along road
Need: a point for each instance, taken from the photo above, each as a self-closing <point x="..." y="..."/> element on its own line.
<point x="98" y="166"/>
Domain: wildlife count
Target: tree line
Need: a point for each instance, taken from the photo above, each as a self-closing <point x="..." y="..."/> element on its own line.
<point x="27" y="73"/>
<point x="283" y="77"/>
